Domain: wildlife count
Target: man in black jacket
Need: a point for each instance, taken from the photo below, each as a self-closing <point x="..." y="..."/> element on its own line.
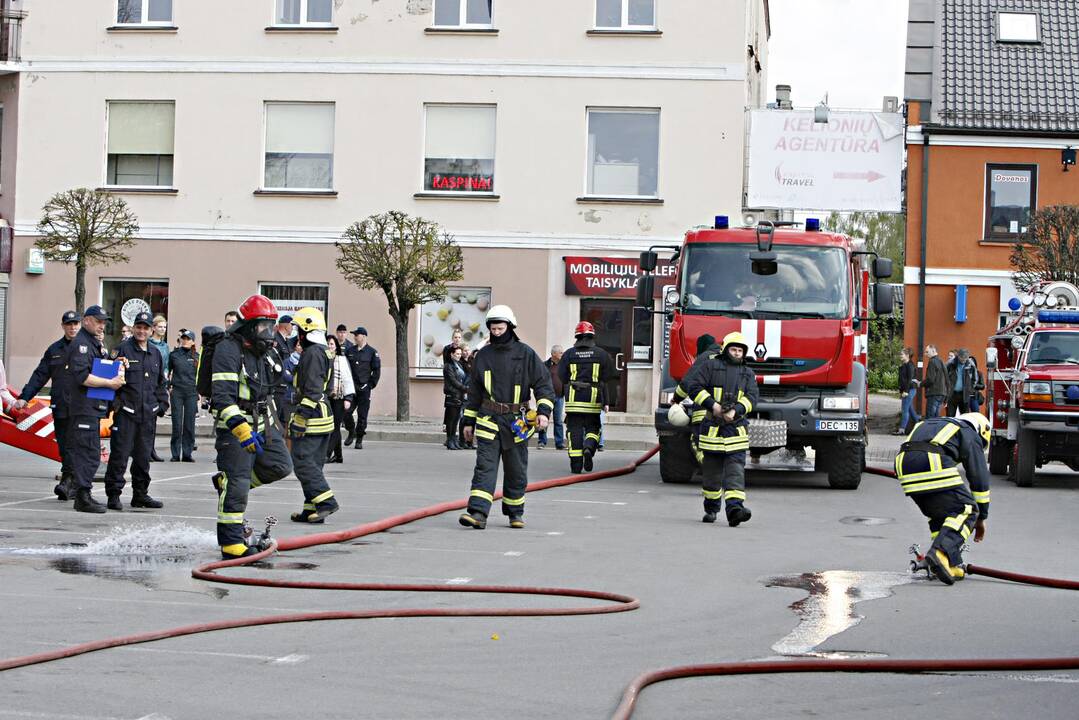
<point x="590" y="384"/>
<point x="366" y="368"/>
<point x="184" y="399"/>
<point x="935" y="386"/>
<point x="283" y="345"/>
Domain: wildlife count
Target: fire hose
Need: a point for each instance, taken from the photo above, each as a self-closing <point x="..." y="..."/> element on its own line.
<point x="613" y="603"/>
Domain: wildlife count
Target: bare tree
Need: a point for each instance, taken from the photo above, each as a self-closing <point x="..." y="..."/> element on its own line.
<point x="411" y="260"/>
<point x="86" y="227"/>
<point x="1049" y="249"/>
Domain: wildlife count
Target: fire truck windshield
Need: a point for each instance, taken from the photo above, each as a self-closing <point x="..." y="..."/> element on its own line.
<point x="811" y="282"/>
<point x="1053" y="348"/>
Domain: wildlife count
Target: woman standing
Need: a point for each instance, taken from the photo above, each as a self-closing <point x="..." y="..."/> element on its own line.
<point x="908" y="388"/>
<point x="454" y="387"/>
<point x="184" y="399"/>
<point x="342" y="392"/>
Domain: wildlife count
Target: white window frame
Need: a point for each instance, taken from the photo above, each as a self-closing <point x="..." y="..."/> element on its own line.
<point x="463" y="16"/>
<point x="105" y="169"/>
<point x="423" y="153"/>
<point x="262" y="151"/>
<point x="1000" y="27"/>
<point x="304" y="22"/>
<point x="145" y="14"/>
<point x="625" y="26"/>
<point x="659" y="149"/>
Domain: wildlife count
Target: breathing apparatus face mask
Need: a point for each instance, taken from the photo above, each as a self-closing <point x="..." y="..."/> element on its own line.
<point x="260" y="334"/>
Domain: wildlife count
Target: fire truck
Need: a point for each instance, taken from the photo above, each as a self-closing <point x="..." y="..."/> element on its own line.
<point x="1034" y="395"/>
<point x="801" y="298"/>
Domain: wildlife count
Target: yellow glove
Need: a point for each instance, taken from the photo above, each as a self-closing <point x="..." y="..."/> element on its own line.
<point x="298" y="426"/>
<point x="249" y="440"/>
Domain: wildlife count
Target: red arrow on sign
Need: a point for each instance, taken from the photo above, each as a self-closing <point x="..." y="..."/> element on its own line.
<point x="871" y="176"/>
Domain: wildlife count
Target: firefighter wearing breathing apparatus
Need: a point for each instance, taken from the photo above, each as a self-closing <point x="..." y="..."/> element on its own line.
<point x="590" y="383"/>
<point x="504" y="373"/>
<point x="726" y="390"/>
<point x="683" y="410"/>
<point x="250" y="448"/>
<point x="928" y="470"/>
<point x="311" y="423"/>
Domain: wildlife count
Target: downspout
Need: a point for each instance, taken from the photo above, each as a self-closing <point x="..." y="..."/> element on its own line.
<point x="924" y="242"/>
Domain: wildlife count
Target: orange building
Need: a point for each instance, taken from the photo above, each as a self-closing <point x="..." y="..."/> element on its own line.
<point x="991" y="120"/>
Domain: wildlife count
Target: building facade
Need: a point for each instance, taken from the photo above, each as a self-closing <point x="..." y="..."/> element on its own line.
<point x="248" y="135"/>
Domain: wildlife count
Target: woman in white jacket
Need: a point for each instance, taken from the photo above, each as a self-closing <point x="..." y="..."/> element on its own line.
<point x="342" y="392"/>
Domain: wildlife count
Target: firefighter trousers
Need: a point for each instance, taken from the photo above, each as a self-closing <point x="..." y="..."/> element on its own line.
<point x="308" y="457"/>
<point x="131" y="439"/>
<point x="724" y="478"/>
<point x="951" y="513"/>
<point x="242" y="471"/>
<point x="84" y="449"/>
<point x="582" y="436"/>
<point x="514" y="455"/>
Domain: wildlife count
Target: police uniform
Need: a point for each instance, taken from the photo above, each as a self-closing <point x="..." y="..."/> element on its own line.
<point x="722" y="445"/>
<point x="503" y="374"/>
<point x="589" y="381"/>
<point x="184" y="400"/>
<point x="928" y="470"/>
<point x="84" y="414"/>
<point x="311" y="426"/>
<point x="283" y="347"/>
<point x="366" y="368"/>
<point x="138" y="404"/>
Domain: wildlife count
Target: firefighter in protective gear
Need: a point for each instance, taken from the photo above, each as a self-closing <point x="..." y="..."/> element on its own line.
<point x="726" y="390"/>
<point x="707" y="348"/>
<point x="250" y="448"/>
<point x="928" y="470"/>
<point x="504" y="373"/>
<point x="311" y="422"/>
<point x="590" y="386"/>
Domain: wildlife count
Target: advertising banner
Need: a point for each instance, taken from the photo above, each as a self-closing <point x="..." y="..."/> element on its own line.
<point x="463" y="309"/>
<point x="612" y="276"/>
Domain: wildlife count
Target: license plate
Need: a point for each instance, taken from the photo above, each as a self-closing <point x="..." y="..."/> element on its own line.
<point x="840" y="425"/>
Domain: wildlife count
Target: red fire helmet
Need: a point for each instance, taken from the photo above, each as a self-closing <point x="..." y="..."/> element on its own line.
<point x="584" y="328"/>
<point x="257" y="307"/>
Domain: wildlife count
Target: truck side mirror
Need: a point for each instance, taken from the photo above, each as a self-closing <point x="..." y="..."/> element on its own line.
<point x="883" y="298"/>
<point x="645" y="287"/>
<point x="882" y="268"/>
<point x="649" y="260"/>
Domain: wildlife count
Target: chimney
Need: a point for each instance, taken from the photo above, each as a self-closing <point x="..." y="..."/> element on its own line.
<point x="783" y="97"/>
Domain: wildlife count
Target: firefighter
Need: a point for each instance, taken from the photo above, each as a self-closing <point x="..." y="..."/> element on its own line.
<point x="727" y="391"/>
<point x="504" y="372"/>
<point x="250" y="449"/>
<point x="312" y="420"/>
<point x="590" y="385"/>
<point x="707" y="348"/>
<point x="928" y="470"/>
<point x="138" y="405"/>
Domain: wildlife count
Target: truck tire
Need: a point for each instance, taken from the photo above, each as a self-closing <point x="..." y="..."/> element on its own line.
<point x="1000" y="454"/>
<point x="843" y="462"/>
<point x="676" y="461"/>
<point x="1026" y="458"/>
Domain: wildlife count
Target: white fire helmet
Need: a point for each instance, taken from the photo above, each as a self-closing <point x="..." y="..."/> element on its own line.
<point x="677" y="416"/>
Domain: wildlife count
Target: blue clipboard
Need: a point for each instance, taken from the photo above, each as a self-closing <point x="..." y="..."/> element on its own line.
<point x="107" y="369"/>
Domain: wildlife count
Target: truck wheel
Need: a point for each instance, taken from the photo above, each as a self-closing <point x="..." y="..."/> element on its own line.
<point x="843" y="462"/>
<point x="1026" y="456"/>
<point x="1000" y="454"/>
<point x="676" y="461"/>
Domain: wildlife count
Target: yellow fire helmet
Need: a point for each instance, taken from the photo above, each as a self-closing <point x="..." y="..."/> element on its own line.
<point x="309" y="319"/>
<point x="736" y="338"/>
<point x="980" y="423"/>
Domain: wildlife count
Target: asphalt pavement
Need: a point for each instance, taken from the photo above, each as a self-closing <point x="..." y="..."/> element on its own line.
<point x="816" y="572"/>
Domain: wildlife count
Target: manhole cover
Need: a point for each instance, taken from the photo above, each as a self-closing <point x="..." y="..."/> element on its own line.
<point x="865" y="520"/>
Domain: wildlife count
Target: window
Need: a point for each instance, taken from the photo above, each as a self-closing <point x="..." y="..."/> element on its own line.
<point x="459" y="149"/>
<point x="463" y="13"/>
<point x="1011" y="195"/>
<point x="150" y="295"/>
<point x="289" y="298"/>
<point x="299" y="146"/>
<point x="1017" y="27"/>
<point x="140" y="143"/>
<point x="623" y="153"/>
<point x="303" y="12"/>
<point x="144" y="12"/>
<point x="626" y="14"/>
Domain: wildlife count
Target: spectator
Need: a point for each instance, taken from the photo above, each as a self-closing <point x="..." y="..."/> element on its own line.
<point x="455" y="388"/>
<point x="960" y="384"/>
<point x="284" y="344"/>
<point x="468" y="356"/>
<point x="456" y="341"/>
<point x="366" y="368"/>
<point x="935" y="385"/>
<point x="231" y="318"/>
<point x="184" y="400"/>
<point x="559" y="403"/>
<point x="908" y="388"/>
<point x="977" y="397"/>
<point x="343" y="343"/>
<point x="157" y="339"/>
<point x="125" y="332"/>
<point x="342" y="393"/>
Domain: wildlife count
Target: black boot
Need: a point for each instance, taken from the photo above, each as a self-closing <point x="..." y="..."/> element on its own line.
<point x="65" y="489"/>
<point x="737" y="514"/>
<point x="114" y="503"/>
<point x="588" y="460"/>
<point x="451" y="443"/>
<point x="143" y="500"/>
<point x="84" y="502"/>
<point x="351" y="437"/>
<point x="473" y="519"/>
<point x="709" y="517"/>
<point x="359" y="442"/>
<point x="154" y="457"/>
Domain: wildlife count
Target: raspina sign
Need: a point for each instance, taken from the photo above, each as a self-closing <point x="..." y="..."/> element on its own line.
<point x="612" y="276"/>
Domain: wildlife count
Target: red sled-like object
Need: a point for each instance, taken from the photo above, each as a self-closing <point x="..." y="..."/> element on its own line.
<point x="31" y="429"/>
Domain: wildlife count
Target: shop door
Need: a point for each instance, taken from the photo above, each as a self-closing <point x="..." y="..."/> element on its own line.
<point x="613" y="320"/>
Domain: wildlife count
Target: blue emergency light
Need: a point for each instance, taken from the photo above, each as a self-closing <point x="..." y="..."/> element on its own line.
<point x="1014" y="304"/>
<point x="722" y="222"/>
<point x="1058" y="316"/>
<point x="812" y="225"/>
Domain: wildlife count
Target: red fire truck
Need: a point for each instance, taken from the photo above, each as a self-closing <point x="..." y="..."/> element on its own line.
<point x="801" y="299"/>
<point x="1034" y="364"/>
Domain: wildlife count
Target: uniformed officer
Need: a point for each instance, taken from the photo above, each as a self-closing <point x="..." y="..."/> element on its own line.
<point x="85" y="411"/>
<point x="250" y="448"/>
<point x="50" y="369"/>
<point x="590" y="386"/>
<point x="726" y="390"/>
<point x="311" y="423"/>
<point x="283" y="345"/>
<point x="138" y="405"/>
<point x="366" y="368"/>
<point x="928" y="470"/>
<point x="504" y="373"/>
<point x="184" y="399"/>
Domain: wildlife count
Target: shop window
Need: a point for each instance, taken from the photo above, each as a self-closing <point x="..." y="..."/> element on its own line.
<point x="626" y="14"/>
<point x="623" y="153"/>
<point x="124" y="298"/>
<point x="303" y="12"/>
<point x="463" y="309"/>
<point x="144" y="12"/>
<point x="463" y="13"/>
<point x="299" y="146"/>
<point x="140" y="144"/>
<point x="1011" y="196"/>
<point x="291" y="297"/>
<point x="459" y="149"/>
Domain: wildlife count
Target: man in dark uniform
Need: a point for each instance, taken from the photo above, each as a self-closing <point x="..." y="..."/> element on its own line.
<point x="590" y="386"/>
<point x="504" y="373"/>
<point x="928" y="470"/>
<point x="283" y="344"/>
<point x="50" y="369"/>
<point x="184" y="399"/>
<point x="85" y="412"/>
<point x="726" y="390"/>
<point x="250" y="449"/>
<point x="366" y="368"/>
<point x="138" y="405"/>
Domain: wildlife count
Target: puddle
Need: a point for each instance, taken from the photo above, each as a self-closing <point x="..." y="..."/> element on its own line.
<point x="286" y="565"/>
<point x="829" y="608"/>
<point x="866" y="520"/>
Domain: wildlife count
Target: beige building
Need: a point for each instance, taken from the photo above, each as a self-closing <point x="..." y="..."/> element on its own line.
<point x="246" y="135"/>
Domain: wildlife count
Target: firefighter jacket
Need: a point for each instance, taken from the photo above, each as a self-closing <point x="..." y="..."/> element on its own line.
<point x="733" y="386"/>
<point x="503" y="375"/>
<point x="143" y="396"/>
<point x="78" y="361"/>
<point x="242" y="382"/>
<point x="366" y="367"/>
<point x="589" y="378"/>
<point x="929" y="460"/>
<point x="50" y="368"/>
<point x="310" y="379"/>
<point x="697" y="413"/>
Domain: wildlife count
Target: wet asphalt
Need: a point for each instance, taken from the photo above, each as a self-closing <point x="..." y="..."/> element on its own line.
<point x="816" y="573"/>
